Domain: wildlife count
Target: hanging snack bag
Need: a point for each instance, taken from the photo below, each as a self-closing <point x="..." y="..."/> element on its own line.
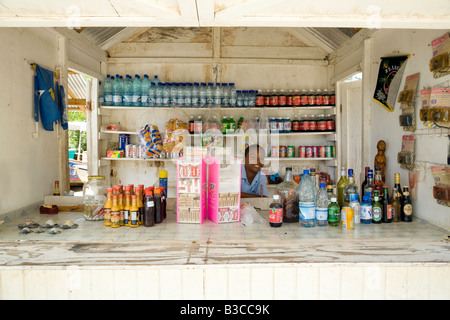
<point x="150" y="141"/>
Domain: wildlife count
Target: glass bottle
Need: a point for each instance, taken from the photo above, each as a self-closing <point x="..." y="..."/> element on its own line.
<point x="134" y="212"/>
<point x="330" y="193"/>
<point x="378" y="183"/>
<point x="368" y="188"/>
<point x="397" y="187"/>
<point x="276" y="212"/>
<point x="407" y="208"/>
<point x="377" y="209"/>
<point x="163" y="202"/>
<point x="121" y="208"/>
<point x="149" y="212"/>
<point x="115" y="213"/>
<point x="396" y="206"/>
<point x="350" y="188"/>
<point x="127" y="208"/>
<point x="340" y="187"/>
<point x="107" y="207"/>
<point x="387" y="208"/>
<point x="334" y="213"/>
<point x="94" y="197"/>
<point x="287" y="190"/>
<point x="366" y="210"/>
<point x="138" y="193"/>
<point x="56" y="192"/>
<point x="157" y="198"/>
<point x="363" y="185"/>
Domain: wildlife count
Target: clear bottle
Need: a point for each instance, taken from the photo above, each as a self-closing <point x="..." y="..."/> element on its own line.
<point x="330" y="193"/>
<point x="202" y="95"/>
<point x="188" y="95"/>
<point x="239" y="98"/>
<point x="159" y="94"/>
<point x="167" y="88"/>
<point x="145" y="91"/>
<point x="195" y="95"/>
<point x="151" y="100"/>
<point x="136" y="91"/>
<point x="355" y="205"/>
<point x="322" y="206"/>
<point x="94" y="197"/>
<point x="173" y="94"/>
<point x="366" y="210"/>
<point x="288" y="192"/>
<point x="217" y="94"/>
<point x="127" y="91"/>
<point x="340" y="187"/>
<point x="232" y="91"/>
<point x="108" y="91"/>
<point x="209" y="94"/>
<point x="181" y="94"/>
<point x="350" y="188"/>
<point x="117" y="91"/>
<point x="156" y="80"/>
<point x="276" y="212"/>
<point x="101" y="93"/>
<point x="307" y="200"/>
<point x="368" y="188"/>
<point x="334" y="213"/>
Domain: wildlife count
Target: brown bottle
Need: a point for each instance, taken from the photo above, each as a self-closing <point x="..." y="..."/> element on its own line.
<point x="407" y="209"/>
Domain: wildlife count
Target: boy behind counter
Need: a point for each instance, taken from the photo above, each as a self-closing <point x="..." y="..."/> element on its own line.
<point x="253" y="182"/>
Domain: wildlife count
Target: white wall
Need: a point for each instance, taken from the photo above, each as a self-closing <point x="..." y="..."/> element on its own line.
<point x="431" y="148"/>
<point x="28" y="166"/>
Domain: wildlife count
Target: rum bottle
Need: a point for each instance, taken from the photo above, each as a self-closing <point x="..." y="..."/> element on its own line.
<point x="387" y="207"/>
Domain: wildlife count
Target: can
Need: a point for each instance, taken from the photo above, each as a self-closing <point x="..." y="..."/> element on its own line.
<point x="330" y="124"/>
<point x="328" y="151"/>
<point x="274" y="152"/>
<point x="302" y="152"/>
<point x="135" y="151"/>
<point x="282" y="151"/>
<point x="141" y="151"/>
<point x="322" y="152"/>
<point x="347" y="222"/>
<point x="296" y="99"/>
<point x="290" y="152"/>
<point x="315" y="151"/>
<point x="124" y="139"/>
<point x="282" y="100"/>
<point x="309" y="152"/>
<point x="129" y="151"/>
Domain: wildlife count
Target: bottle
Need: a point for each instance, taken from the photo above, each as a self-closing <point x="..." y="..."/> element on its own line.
<point x="232" y="92"/>
<point x="196" y="95"/>
<point x="350" y="188"/>
<point x="366" y="210"/>
<point x="330" y="193"/>
<point x="396" y="206"/>
<point x="366" y="172"/>
<point x="101" y="94"/>
<point x="340" y="187"/>
<point x="146" y="87"/>
<point x="159" y="94"/>
<point x="307" y="199"/>
<point x="239" y="99"/>
<point x="127" y="91"/>
<point x="378" y="183"/>
<point x="397" y="187"/>
<point x="107" y="207"/>
<point x="334" y="213"/>
<point x="355" y="205"/>
<point x="140" y="204"/>
<point x="127" y="209"/>
<point x="156" y="80"/>
<point x="231" y="125"/>
<point x="157" y="197"/>
<point x="56" y="192"/>
<point x="209" y="95"/>
<point x="202" y="95"/>
<point x="163" y="179"/>
<point x="322" y="206"/>
<point x="288" y="193"/>
<point x="137" y="91"/>
<point x="166" y="95"/>
<point x="217" y="95"/>
<point x="121" y="209"/>
<point x="406" y="207"/>
<point x="188" y="95"/>
<point x="134" y="212"/>
<point x="180" y="94"/>
<point x="173" y="94"/>
<point x="387" y="207"/>
<point x="149" y="212"/>
<point x="108" y="91"/>
<point x="163" y="202"/>
<point x="115" y="213"/>
<point x="224" y="125"/>
<point x="276" y="212"/>
<point x="117" y="91"/>
<point x="151" y="100"/>
<point x="368" y="188"/>
<point x="377" y="208"/>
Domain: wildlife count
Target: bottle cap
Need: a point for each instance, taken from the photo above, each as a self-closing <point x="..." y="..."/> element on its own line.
<point x="163" y="174"/>
<point x="376" y="198"/>
<point x="365" y="198"/>
<point x="305" y="171"/>
<point x="322" y="185"/>
<point x="354" y="197"/>
<point x="350" y="172"/>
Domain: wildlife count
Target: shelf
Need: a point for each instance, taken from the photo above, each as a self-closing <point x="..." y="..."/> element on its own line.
<point x="139" y="159"/>
<point x="290" y="134"/>
<point x="216" y="108"/>
<point x="299" y="159"/>
<point x="118" y="132"/>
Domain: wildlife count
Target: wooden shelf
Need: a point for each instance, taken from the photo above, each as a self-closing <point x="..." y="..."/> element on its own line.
<point x="217" y="108"/>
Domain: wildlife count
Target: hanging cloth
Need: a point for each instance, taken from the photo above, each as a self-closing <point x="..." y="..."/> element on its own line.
<point x="62" y="106"/>
<point x="45" y="106"/>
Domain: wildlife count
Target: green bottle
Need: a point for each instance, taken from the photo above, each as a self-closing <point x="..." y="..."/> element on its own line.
<point x="340" y="187"/>
<point x="231" y="125"/>
<point x="224" y="125"/>
<point x="377" y="208"/>
<point x="334" y="213"/>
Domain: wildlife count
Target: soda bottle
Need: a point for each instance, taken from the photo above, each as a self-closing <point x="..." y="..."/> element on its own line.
<point x="276" y="212"/>
<point x="231" y="125"/>
<point x="136" y="91"/>
<point x="322" y="206"/>
<point x="340" y="187"/>
<point x="146" y="85"/>
<point x="117" y="91"/>
<point x="377" y="208"/>
<point x="334" y="213"/>
<point x="307" y="200"/>
<point x="366" y="210"/>
<point x="224" y="125"/>
<point x="217" y="94"/>
<point x="387" y="207"/>
<point x="108" y="91"/>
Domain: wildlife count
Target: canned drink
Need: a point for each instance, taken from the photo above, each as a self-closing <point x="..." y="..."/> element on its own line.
<point x="129" y="151"/>
<point x="290" y="152"/>
<point x="328" y="151"/>
<point x="274" y="152"/>
<point x="141" y="152"/>
<point x="282" y="100"/>
<point x="347" y="222"/>
<point x="315" y="151"/>
<point x="135" y="151"/>
<point x="282" y="151"/>
<point x="301" y="152"/>
<point x="308" y="152"/>
<point x="322" y="153"/>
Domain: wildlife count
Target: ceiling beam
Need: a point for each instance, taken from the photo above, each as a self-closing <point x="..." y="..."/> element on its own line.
<point x="119" y="37"/>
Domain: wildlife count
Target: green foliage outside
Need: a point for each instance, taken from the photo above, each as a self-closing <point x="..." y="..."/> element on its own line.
<point x="74" y="135"/>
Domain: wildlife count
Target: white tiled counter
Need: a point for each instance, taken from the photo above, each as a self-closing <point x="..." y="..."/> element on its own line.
<point x="226" y="261"/>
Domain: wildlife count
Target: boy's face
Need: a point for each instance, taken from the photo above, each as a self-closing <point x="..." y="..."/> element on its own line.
<point x="254" y="160"/>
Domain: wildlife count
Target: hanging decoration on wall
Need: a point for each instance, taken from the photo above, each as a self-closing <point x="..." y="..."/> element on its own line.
<point x="407" y="99"/>
<point x="440" y="63"/>
<point x="390" y="67"/>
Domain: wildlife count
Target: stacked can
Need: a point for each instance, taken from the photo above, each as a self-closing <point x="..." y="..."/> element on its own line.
<point x="124" y="140"/>
<point x="316" y="151"/>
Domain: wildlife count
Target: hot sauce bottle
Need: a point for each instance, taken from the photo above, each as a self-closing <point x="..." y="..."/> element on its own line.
<point x="107" y="207"/>
<point x="134" y="212"/>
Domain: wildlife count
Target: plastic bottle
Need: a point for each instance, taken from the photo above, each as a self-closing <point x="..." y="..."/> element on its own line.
<point x="202" y="95"/>
<point x="239" y="99"/>
<point x="126" y="94"/>
<point x="245" y="96"/>
<point x="101" y="94"/>
<point x="232" y="91"/>
<point x="173" y="94"/>
<point x="354" y="204"/>
<point x="180" y="94"/>
<point x="159" y="94"/>
<point x="151" y="100"/>
<point x="209" y="94"/>
<point x="156" y="80"/>
<point x="224" y="125"/>
<point x="188" y="95"/>
<point x="307" y="198"/>
<point x="108" y="91"/>
<point x="136" y="91"/>
<point x="196" y="95"/>
<point x="322" y="206"/>
<point x="334" y="213"/>
<point x="134" y="212"/>
<point x="366" y="210"/>
<point x="226" y="96"/>
<point x="276" y="212"/>
<point x="166" y="94"/>
<point x="251" y="98"/>
<point x="149" y="208"/>
<point x="218" y="94"/>
<point x="145" y="91"/>
<point x="115" y="213"/>
<point x="231" y="125"/>
<point x="117" y="91"/>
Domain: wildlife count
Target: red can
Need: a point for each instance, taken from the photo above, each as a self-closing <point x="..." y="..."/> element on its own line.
<point x="289" y="100"/>
<point x="312" y="125"/>
<point x="322" y="152"/>
<point x="330" y="124"/>
<point x="282" y="100"/>
<point x="306" y="125"/>
<point x="259" y="100"/>
<point x="325" y="100"/>
<point x="295" y="125"/>
<point x="311" y="100"/>
<point x="332" y="100"/>
<point x="273" y="100"/>
<point x="318" y="99"/>
<point x="309" y="151"/>
<point x="267" y="100"/>
<point x="304" y="100"/>
<point x="321" y="125"/>
<point x="315" y="151"/>
<point x="301" y="152"/>
<point x="296" y="99"/>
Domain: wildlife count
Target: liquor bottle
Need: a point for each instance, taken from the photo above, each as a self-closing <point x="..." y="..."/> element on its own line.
<point x="350" y="188"/>
<point x="387" y="207"/>
<point x="134" y="212"/>
<point x="276" y="212"/>
<point x="363" y="185"/>
<point x="407" y="209"/>
<point x="397" y="187"/>
<point x="368" y="189"/>
<point x="334" y="213"/>
<point x="107" y="207"/>
<point x="396" y="206"/>
<point x="378" y="183"/>
<point x="366" y="210"/>
<point x="377" y="209"/>
<point x="340" y="187"/>
<point x="115" y="213"/>
<point x="56" y="192"/>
